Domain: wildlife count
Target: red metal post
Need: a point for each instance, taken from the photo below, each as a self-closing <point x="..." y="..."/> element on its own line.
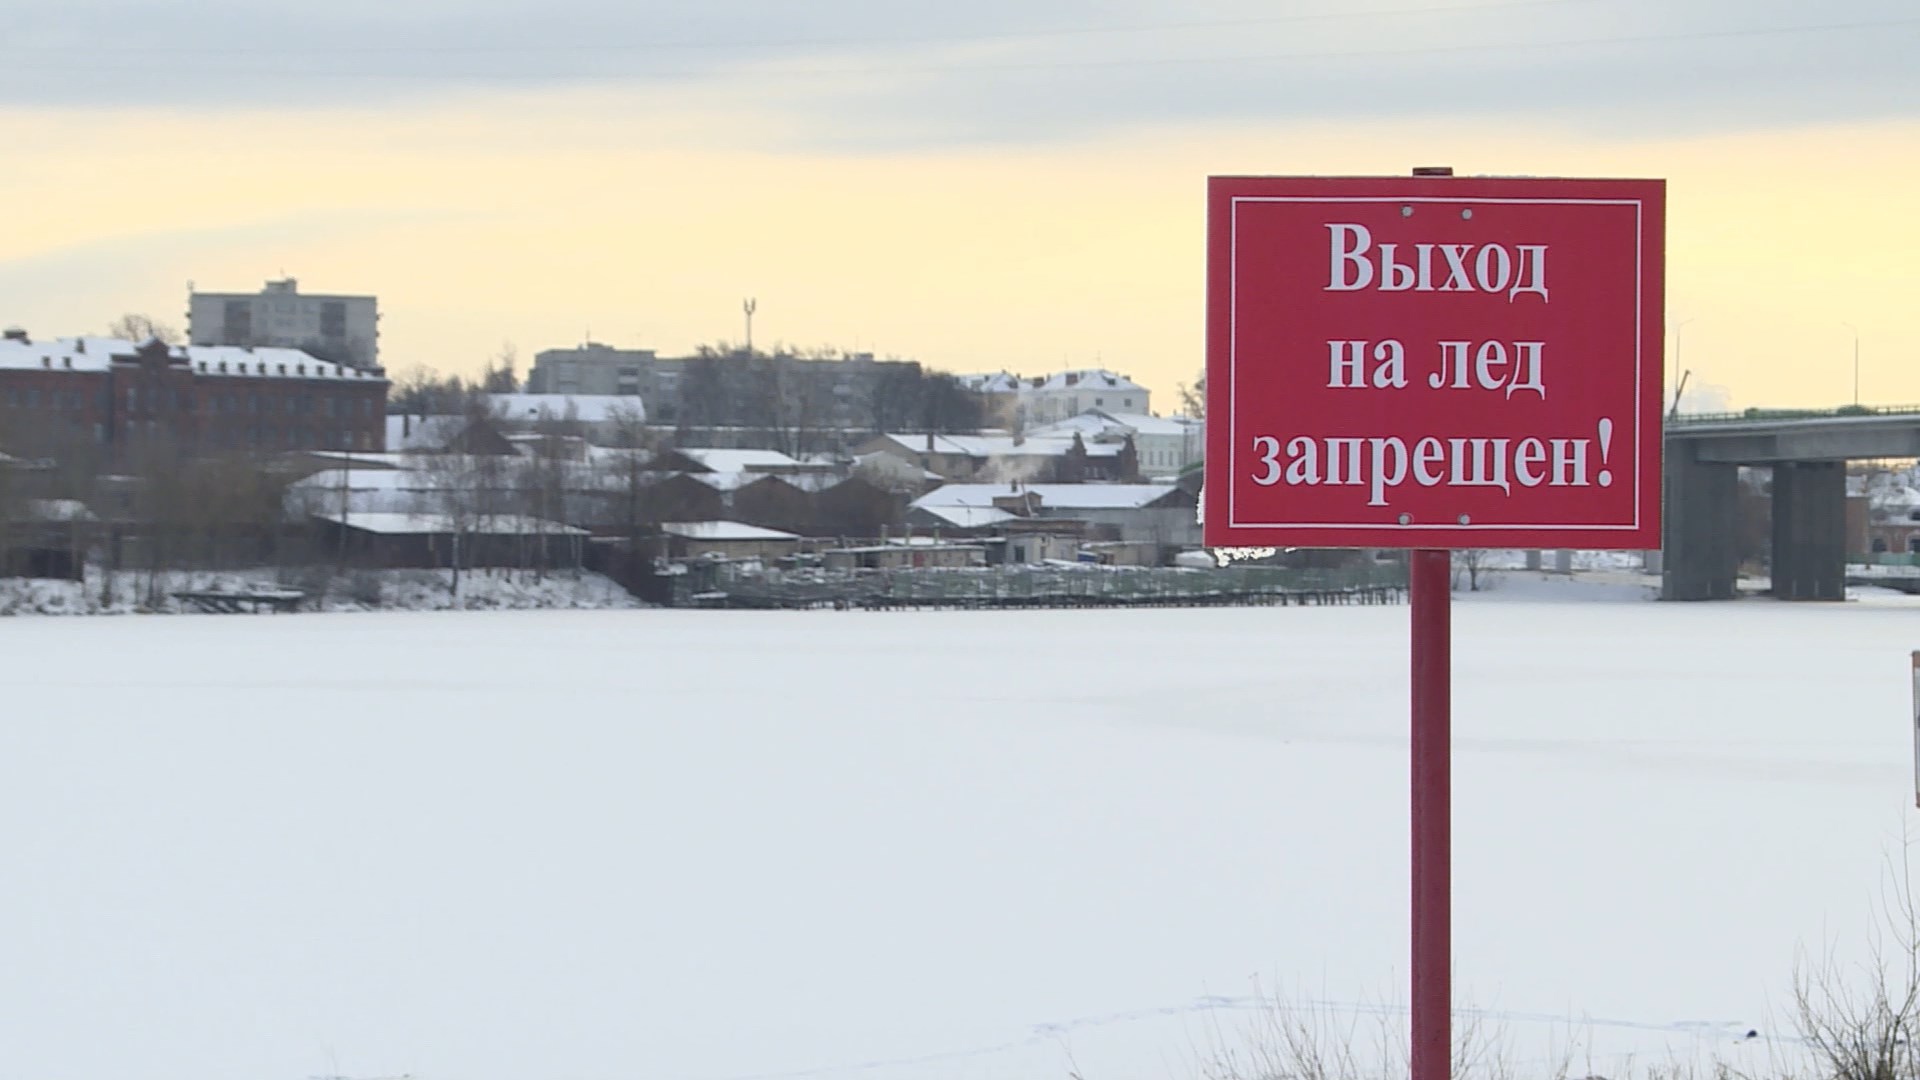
<point x="1430" y="593"/>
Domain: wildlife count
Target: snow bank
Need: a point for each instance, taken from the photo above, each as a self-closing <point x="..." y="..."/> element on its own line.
<point x="354" y="590"/>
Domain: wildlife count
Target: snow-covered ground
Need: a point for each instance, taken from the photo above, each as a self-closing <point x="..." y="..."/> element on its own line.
<point x="352" y="590"/>
<point x="592" y="845"/>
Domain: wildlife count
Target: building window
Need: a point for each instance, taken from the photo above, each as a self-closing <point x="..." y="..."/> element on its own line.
<point x="293" y="406"/>
<point x="133" y="398"/>
<point x="1127" y="402"/>
<point x="33" y="399"/>
<point x="326" y="407"/>
<point x="366" y="408"/>
<point x="253" y="403"/>
<point x="100" y="434"/>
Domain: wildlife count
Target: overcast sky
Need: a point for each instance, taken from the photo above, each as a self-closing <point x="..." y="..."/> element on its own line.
<point x="226" y="141"/>
<point x="875" y="71"/>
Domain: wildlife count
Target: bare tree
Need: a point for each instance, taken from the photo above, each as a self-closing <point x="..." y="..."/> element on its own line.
<point x="422" y="391"/>
<point x="542" y="484"/>
<point x="141" y="329"/>
<point x="502" y="374"/>
<point x="1193" y="399"/>
<point x="1473" y="564"/>
<point x="1865" y="1028"/>
<point x="909" y="398"/>
<point x="456" y="498"/>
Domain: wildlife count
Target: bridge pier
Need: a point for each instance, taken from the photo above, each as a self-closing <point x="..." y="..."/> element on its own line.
<point x="1810" y="530"/>
<point x="1700" y="555"/>
<point x="1808" y="452"/>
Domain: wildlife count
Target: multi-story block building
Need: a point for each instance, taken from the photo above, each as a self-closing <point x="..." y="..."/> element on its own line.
<point x="120" y="396"/>
<point x="783" y="390"/>
<point x="338" y="329"/>
<point x="594" y="368"/>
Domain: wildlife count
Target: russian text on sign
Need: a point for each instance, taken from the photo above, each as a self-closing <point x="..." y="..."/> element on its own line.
<point x="1488" y="268"/>
<point x="1458" y="372"/>
<point x="1382" y="463"/>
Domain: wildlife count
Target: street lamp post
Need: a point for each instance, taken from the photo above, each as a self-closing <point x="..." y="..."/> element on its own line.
<point x="1856" y="360"/>
<point x="1682" y="325"/>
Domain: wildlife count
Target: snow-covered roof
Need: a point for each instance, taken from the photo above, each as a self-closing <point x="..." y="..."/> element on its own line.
<point x="355" y="459"/>
<point x="1084" y="379"/>
<point x="723" y="530"/>
<point x="725" y="481"/>
<point x="619" y="455"/>
<point x="1078" y="379"/>
<point x="59" y="510"/>
<point x="392" y="524"/>
<point x="1142" y="424"/>
<point x="999" y="446"/>
<point x="89" y="353"/>
<point x="369" y="480"/>
<point x="586" y="408"/>
<point x="1052" y="496"/>
<point x="810" y="482"/>
<point x="893" y="466"/>
<point x="967" y="517"/>
<point x="999" y="382"/>
<point x="741" y="460"/>
<point x="1099" y="421"/>
<point x="419" y="433"/>
<point x="1898" y="497"/>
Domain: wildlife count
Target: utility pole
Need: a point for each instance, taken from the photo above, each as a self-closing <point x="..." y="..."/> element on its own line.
<point x="749" y="306"/>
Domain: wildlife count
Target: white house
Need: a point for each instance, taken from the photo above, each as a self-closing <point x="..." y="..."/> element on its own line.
<point x="1048" y="399"/>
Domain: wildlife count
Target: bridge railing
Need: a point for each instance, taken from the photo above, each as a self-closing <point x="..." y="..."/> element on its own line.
<point x="1689" y="419"/>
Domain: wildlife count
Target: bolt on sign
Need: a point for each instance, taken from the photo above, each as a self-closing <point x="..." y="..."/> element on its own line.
<point x="1434" y="362"/>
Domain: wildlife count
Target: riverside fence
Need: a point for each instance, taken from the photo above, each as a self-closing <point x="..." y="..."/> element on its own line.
<point x="731" y="586"/>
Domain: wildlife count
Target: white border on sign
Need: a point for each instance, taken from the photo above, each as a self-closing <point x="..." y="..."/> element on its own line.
<point x="1233" y="368"/>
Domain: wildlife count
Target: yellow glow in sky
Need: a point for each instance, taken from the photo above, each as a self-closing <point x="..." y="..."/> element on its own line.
<point x="540" y="219"/>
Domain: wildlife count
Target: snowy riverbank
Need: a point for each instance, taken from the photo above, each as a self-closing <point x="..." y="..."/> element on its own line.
<point x="353" y="590"/>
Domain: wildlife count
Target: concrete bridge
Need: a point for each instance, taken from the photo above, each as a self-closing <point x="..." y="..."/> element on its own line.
<point x="1808" y="452"/>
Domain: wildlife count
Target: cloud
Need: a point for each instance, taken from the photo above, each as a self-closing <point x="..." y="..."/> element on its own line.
<point x="874" y="75"/>
<point x="66" y="279"/>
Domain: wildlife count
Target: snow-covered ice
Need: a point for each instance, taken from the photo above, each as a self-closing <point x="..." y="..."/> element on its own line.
<point x="504" y="846"/>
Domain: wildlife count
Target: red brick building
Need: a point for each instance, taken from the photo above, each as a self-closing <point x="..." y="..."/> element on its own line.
<point x="199" y="399"/>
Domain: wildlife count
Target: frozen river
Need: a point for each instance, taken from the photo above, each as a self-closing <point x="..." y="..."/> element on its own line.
<point x="709" y="845"/>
